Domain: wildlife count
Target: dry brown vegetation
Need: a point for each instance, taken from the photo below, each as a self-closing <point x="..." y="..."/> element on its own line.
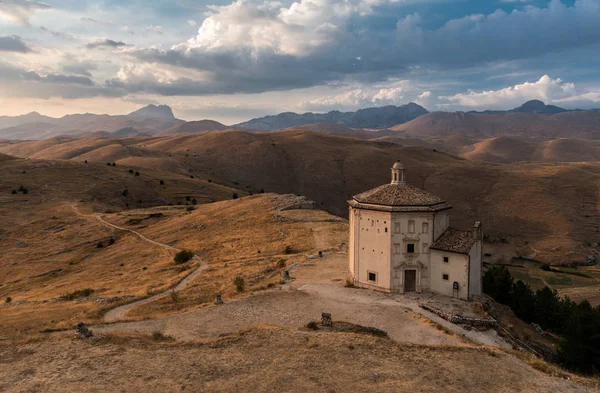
<point x="269" y="359"/>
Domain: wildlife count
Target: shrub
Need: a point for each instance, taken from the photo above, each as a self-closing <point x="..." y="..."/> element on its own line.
<point x="130" y="171"/>
<point x="262" y="190"/>
<point x="312" y="325"/>
<point x="190" y="208"/>
<point x="21" y="188"/>
<point x="125" y="192"/>
<point x="111" y="241"/>
<point x="162" y="183"/>
<point x="137" y="173"/>
<point x="25" y="191"/>
<point x="8" y="299"/>
<point x="114" y="164"/>
<point x="288" y="249"/>
<point x="108" y="164"/>
<point x="158" y="336"/>
<point x="191" y="176"/>
<point x="281" y="263"/>
<point x="235" y="195"/>
<point x="194" y="201"/>
<point x="78" y="294"/>
<point x="183" y="256"/>
<point x="99" y="244"/>
<point x="85" y="161"/>
<point x="187" y="198"/>
<point x="240" y="283"/>
<point x="14" y="191"/>
<point x="174" y="296"/>
<point x="546" y="267"/>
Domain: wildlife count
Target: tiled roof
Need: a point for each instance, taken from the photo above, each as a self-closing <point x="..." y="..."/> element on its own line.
<point x="455" y="240"/>
<point x="398" y="195"/>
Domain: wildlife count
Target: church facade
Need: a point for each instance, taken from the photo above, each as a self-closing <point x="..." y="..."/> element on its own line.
<point x="401" y="242"/>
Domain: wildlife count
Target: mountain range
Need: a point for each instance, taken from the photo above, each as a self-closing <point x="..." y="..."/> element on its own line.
<point x="532" y="120"/>
<point x="380" y="117"/>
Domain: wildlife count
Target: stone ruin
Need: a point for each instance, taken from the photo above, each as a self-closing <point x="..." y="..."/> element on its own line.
<point x="218" y="299"/>
<point x="326" y="319"/>
<point x="82" y="331"/>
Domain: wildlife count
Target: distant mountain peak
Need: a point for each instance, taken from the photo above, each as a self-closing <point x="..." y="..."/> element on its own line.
<point x="153" y="111"/>
<point x="538" y="107"/>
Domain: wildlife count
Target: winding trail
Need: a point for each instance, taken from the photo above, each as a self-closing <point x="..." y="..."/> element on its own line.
<point x="119" y="313"/>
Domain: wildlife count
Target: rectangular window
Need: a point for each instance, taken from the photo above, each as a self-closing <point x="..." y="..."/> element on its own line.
<point x="411" y="226"/>
<point x="372" y="276"/>
<point x="446" y="259"/>
<point x="386" y="230"/>
<point x="425" y="248"/>
<point x="425" y="227"/>
<point x="396" y="248"/>
<point x="445" y="277"/>
<point x="410" y="248"/>
<point x="397" y="227"/>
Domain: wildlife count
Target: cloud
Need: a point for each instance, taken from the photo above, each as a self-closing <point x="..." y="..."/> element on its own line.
<point x="13" y="44"/>
<point x="551" y="91"/>
<point x="20" y="82"/>
<point x="105" y="43"/>
<point x="250" y="48"/>
<point x="391" y="93"/>
<point x="95" y="21"/>
<point x="19" y="11"/>
<point x="191" y="22"/>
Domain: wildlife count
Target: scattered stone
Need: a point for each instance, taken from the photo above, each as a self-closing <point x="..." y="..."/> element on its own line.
<point x="326" y="319"/>
<point x="537" y="328"/>
<point x="218" y="299"/>
<point x="81" y="331"/>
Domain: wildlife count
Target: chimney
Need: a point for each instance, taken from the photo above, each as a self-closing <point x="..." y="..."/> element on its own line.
<point x="477" y="236"/>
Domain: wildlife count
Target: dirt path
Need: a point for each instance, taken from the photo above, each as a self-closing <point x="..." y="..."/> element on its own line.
<point x="120" y="312"/>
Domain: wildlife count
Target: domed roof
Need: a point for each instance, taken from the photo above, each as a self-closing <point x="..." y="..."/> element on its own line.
<point x="398" y="196"/>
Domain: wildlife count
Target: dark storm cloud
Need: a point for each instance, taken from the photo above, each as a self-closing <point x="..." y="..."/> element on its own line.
<point x="105" y="43"/>
<point x="364" y="52"/>
<point x="13" y="44"/>
<point x="19" y="82"/>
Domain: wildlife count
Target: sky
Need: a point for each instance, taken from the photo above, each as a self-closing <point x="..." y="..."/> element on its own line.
<point x="234" y="60"/>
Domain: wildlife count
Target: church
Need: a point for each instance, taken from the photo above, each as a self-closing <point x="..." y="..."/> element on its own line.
<point x="401" y="242"/>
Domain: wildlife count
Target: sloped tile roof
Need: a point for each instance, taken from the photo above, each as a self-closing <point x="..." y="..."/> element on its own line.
<point x="455" y="240"/>
<point x="399" y="195"/>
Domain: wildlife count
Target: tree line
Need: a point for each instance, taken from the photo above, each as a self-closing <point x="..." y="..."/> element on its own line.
<point x="578" y="324"/>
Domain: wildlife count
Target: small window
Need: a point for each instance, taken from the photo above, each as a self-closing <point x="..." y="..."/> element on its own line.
<point x="425" y="227"/>
<point x="372" y="277"/>
<point x="445" y="277"/>
<point x="446" y="259"/>
<point x="397" y="228"/>
<point x="410" y="248"/>
<point x="411" y="226"/>
<point x="386" y="230"/>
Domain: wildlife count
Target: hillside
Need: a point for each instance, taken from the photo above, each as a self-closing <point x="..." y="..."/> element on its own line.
<point x="541" y="127"/>
<point x="528" y="201"/>
<point x="195" y="127"/>
<point x="379" y="117"/>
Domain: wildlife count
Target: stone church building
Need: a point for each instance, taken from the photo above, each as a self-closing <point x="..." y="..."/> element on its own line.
<point x="401" y="241"/>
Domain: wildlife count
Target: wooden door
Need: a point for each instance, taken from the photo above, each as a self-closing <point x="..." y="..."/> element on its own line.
<point x="410" y="280"/>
